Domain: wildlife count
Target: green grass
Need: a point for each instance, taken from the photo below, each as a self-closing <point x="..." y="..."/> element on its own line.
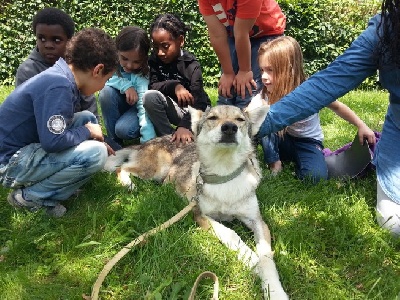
<point x="326" y="241"/>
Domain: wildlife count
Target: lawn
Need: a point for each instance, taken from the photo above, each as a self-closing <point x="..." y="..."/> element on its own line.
<point x="326" y="241"/>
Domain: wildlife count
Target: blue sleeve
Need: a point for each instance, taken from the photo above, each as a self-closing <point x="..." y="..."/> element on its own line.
<point x="58" y="103"/>
<point x="344" y="74"/>
<point x="147" y="131"/>
<point x="119" y="83"/>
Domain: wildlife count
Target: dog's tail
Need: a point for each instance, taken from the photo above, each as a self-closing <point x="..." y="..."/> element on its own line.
<point x="115" y="161"/>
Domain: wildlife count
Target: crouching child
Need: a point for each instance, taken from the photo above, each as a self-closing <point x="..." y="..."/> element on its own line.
<point x="46" y="150"/>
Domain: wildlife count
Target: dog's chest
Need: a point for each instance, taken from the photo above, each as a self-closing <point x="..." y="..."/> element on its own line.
<point x="229" y="198"/>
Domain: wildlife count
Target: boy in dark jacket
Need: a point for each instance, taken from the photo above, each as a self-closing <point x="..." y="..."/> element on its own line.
<point x="53" y="28"/>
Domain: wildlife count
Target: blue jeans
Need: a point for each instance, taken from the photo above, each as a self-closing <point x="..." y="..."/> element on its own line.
<point x="120" y="118"/>
<point x="306" y="153"/>
<point x="47" y="178"/>
<point x="237" y="100"/>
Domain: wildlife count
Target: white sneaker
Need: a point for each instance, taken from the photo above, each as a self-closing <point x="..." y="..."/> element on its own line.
<point x="16" y="199"/>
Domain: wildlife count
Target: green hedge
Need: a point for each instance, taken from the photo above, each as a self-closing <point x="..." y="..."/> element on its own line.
<point x="324" y="28"/>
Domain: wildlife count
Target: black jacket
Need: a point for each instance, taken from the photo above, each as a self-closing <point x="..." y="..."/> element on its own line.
<point x="185" y="70"/>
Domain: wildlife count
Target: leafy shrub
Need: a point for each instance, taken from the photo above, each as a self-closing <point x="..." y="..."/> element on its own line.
<point x="324" y="28"/>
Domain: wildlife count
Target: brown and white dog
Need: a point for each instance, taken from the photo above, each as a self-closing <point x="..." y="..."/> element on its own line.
<point x="221" y="172"/>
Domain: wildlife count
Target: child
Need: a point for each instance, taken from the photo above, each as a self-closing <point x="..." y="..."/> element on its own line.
<point x="281" y="64"/>
<point x="46" y="150"/>
<point x="121" y="99"/>
<point x="175" y="79"/>
<point x="236" y="29"/>
<point x="53" y="28"/>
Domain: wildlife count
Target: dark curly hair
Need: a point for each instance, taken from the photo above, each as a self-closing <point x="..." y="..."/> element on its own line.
<point x="134" y="38"/>
<point x="390" y="36"/>
<point x="54" y="16"/>
<point x="170" y="23"/>
<point x="90" y="47"/>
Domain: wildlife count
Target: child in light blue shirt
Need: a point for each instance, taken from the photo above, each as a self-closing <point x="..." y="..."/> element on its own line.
<point x="121" y="99"/>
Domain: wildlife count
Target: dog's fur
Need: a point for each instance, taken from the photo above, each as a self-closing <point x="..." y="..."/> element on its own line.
<point x="221" y="172"/>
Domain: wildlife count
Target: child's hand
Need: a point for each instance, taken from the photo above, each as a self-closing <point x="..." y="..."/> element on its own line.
<point x="365" y="133"/>
<point x="131" y="96"/>
<point x="225" y="85"/>
<point x="244" y="80"/>
<point x="95" y="131"/>
<point x="185" y="98"/>
<point x="182" y="135"/>
<point x="110" y="150"/>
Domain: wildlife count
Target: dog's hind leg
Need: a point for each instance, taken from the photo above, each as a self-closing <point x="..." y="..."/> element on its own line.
<point x="266" y="267"/>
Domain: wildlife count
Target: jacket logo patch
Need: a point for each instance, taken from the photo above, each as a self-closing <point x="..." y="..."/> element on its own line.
<point x="56" y="124"/>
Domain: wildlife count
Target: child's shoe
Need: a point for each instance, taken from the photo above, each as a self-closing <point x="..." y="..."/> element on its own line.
<point x="275" y="167"/>
<point x="16" y="199"/>
<point x="56" y="211"/>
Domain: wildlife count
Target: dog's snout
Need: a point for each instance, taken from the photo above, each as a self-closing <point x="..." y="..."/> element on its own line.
<point x="229" y="128"/>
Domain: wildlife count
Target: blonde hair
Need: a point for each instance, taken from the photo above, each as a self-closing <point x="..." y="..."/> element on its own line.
<point x="286" y="59"/>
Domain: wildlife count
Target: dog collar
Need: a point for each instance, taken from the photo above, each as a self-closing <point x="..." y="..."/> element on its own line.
<point x="217" y="179"/>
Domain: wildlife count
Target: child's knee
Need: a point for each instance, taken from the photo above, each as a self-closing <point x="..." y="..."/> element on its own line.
<point x="106" y="94"/>
<point x="388" y="216"/>
<point x="92" y="154"/>
<point x="152" y="98"/>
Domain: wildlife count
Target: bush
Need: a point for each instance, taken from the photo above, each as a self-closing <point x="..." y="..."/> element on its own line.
<point x="324" y="28"/>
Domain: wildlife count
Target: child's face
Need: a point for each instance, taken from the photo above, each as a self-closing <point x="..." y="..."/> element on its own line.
<point x="267" y="73"/>
<point x="51" y="41"/>
<point x="89" y="82"/>
<point x="131" y="61"/>
<point x="166" y="48"/>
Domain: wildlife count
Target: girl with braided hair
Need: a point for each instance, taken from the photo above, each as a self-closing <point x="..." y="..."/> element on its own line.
<point x="175" y="80"/>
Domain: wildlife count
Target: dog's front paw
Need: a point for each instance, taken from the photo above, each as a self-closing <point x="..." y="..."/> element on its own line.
<point x="277" y="294"/>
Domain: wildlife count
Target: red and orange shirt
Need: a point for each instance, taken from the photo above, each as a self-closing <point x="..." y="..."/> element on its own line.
<point x="269" y="17"/>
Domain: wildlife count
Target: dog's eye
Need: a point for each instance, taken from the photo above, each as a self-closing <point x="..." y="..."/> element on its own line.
<point x="212" y="118"/>
<point x="240" y="119"/>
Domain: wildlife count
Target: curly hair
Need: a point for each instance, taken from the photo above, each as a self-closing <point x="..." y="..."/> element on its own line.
<point x="170" y="23"/>
<point x="390" y="26"/>
<point x="54" y="16"/>
<point x="134" y="38"/>
<point x="90" y="47"/>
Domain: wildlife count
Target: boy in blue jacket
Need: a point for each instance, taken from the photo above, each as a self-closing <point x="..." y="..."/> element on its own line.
<point x="47" y="151"/>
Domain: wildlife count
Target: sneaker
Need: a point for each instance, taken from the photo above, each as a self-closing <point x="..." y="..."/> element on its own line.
<point x="16" y="199"/>
<point x="56" y="211"/>
<point x="275" y="167"/>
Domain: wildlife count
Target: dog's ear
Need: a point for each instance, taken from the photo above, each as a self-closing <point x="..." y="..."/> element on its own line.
<point x="195" y="117"/>
<point x="257" y="117"/>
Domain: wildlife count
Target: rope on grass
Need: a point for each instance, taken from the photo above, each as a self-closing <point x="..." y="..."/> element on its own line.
<point x="206" y="274"/>
<point x="107" y="268"/>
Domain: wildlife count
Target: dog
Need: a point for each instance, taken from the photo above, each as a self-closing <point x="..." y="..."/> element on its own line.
<point x="220" y="171"/>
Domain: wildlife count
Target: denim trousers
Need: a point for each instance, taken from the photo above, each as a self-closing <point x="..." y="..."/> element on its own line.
<point x="48" y="178"/>
<point x="120" y="119"/>
<point x="306" y="153"/>
<point x="237" y="100"/>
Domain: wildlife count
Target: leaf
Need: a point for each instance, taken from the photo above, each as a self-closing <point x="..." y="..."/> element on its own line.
<point x="87" y="244"/>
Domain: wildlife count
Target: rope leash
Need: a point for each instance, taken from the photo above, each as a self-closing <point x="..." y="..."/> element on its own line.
<point x="107" y="268"/>
<point x="205" y="274"/>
